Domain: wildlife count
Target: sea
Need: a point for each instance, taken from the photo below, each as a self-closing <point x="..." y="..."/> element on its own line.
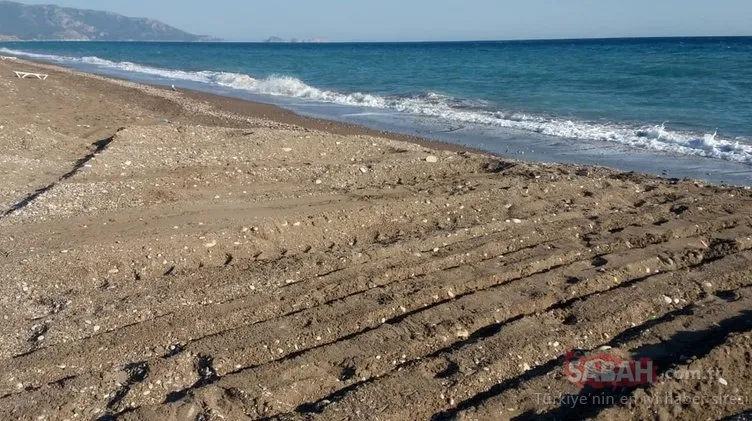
<point x="673" y="107"/>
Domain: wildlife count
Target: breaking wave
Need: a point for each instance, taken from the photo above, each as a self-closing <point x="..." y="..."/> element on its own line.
<point x="652" y="137"/>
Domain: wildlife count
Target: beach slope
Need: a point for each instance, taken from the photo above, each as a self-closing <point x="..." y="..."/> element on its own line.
<point x="171" y="255"/>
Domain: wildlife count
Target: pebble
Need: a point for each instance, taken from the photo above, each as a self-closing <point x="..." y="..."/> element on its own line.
<point x="287" y="149"/>
<point x="318" y="181"/>
<point x="363" y="170"/>
<point x="668" y="299"/>
<point x="210" y="245"/>
<point x="432" y="159"/>
<point x="722" y="381"/>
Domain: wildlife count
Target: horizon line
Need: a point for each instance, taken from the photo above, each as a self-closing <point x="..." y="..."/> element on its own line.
<point x="225" y="41"/>
<point x="594" y="38"/>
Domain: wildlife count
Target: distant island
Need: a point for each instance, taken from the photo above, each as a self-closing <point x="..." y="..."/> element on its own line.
<point x="21" y="22"/>
<point x="294" y="40"/>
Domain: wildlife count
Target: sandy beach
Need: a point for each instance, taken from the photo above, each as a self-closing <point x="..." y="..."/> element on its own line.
<point x="173" y="255"/>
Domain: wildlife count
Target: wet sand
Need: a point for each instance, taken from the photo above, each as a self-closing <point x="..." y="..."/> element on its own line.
<point x="175" y="255"/>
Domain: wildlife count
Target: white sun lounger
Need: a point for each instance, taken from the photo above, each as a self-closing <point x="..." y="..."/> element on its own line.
<point x="7" y="58"/>
<point x="24" y="75"/>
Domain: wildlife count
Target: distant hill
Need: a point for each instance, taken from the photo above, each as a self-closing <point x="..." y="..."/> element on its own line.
<point x="295" y="40"/>
<point x="47" y="22"/>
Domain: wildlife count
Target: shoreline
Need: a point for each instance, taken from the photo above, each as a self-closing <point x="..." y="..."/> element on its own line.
<point x="166" y="258"/>
<point x="513" y="146"/>
<point x="285" y="116"/>
<point x="282" y="115"/>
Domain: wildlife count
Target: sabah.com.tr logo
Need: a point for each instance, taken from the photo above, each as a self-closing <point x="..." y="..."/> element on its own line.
<point x="602" y="371"/>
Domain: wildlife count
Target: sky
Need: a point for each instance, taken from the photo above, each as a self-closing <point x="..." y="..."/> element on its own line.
<point x="436" y="20"/>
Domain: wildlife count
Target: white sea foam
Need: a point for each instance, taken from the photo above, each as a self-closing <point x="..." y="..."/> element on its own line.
<point x="657" y="137"/>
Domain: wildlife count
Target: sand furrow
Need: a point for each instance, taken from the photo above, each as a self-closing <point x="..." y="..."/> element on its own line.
<point x="417" y="294"/>
<point x="493" y="360"/>
<point x="420" y="334"/>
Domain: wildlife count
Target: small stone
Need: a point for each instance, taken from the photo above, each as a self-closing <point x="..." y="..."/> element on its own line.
<point x="517" y="221"/>
<point x="363" y="170"/>
<point x="668" y="300"/>
<point x="722" y="381"/>
<point x="287" y="149"/>
<point x="210" y="245"/>
<point x="526" y="367"/>
<point x="318" y="181"/>
<point x="432" y="159"/>
<point x="188" y="411"/>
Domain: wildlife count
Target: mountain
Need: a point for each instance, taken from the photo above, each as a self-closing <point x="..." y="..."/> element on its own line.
<point x="48" y="22"/>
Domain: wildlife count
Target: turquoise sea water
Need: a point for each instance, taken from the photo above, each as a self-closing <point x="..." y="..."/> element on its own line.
<point x="680" y="107"/>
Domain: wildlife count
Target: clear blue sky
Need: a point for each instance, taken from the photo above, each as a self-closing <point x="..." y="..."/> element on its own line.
<point x="412" y="20"/>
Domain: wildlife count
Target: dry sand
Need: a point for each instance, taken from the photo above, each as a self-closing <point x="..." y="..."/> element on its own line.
<point x="172" y="255"/>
